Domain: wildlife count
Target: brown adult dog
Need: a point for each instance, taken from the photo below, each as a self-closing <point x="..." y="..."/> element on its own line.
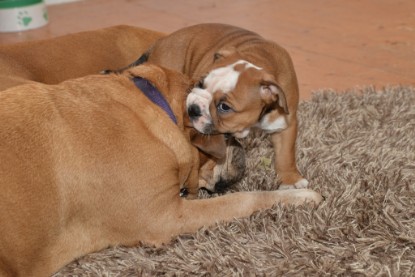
<point x="245" y="81"/>
<point x="92" y="162"/>
<point x="52" y="61"/>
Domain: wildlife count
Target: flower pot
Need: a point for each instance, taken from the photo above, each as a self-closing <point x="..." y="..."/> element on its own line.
<point x="21" y="15"/>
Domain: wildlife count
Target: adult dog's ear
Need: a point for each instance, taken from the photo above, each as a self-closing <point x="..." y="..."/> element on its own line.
<point x="224" y="52"/>
<point x="214" y="145"/>
<point x="271" y="92"/>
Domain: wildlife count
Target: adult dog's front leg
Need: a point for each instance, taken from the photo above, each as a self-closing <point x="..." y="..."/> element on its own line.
<point x="285" y="163"/>
<point x="186" y="216"/>
<point x="191" y="188"/>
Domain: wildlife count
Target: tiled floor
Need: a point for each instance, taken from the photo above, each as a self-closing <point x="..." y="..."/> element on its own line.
<point x="334" y="44"/>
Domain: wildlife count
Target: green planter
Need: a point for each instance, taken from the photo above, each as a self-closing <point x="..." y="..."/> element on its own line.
<point x="21" y="15"/>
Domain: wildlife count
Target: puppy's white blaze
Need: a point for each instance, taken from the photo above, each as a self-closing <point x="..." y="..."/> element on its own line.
<point x="269" y="126"/>
<point x="225" y="78"/>
<point x="198" y="94"/>
<point x="248" y="65"/>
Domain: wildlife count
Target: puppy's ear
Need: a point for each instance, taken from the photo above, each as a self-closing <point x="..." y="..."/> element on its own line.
<point x="271" y="92"/>
<point x="214" y="145"/>
<point x="224" y="52"/>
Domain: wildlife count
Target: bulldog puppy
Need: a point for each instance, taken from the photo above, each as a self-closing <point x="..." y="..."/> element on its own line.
<point x="95" y="162"/>
<point x="245" y="81"/>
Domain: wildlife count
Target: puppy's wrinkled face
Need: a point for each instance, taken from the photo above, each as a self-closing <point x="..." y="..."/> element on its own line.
<point x="235" y="97"/>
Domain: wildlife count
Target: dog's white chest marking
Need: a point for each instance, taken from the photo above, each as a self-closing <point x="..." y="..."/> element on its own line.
<point x="271" y="126"/>
<point x="225" y="78"/>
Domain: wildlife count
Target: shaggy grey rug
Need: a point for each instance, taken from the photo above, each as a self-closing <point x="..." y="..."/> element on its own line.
<point x="358" y="150"/>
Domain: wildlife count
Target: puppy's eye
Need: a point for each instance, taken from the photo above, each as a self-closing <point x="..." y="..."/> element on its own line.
<point x="224" y="108"/>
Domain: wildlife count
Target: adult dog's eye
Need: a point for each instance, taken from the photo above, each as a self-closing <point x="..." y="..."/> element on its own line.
<point x="224" y="108"/>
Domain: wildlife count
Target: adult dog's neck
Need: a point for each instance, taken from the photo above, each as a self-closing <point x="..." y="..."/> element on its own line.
<point x="154" y="95"/>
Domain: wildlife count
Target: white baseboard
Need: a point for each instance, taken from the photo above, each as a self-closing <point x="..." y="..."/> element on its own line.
<point x="56" y="2"/>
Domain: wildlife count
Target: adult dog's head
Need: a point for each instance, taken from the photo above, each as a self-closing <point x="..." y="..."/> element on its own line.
<point x="236" y="95"/>
<point x="222" y="161"/>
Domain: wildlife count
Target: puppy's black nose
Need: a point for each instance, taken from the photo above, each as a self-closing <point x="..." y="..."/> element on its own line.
<point x="194" y="111"/>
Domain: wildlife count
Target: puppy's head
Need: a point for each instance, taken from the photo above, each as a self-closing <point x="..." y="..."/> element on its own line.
<point x="236" y="95"/>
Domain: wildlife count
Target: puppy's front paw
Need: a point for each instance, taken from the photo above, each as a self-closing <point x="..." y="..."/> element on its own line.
<point x="300" y="184"/>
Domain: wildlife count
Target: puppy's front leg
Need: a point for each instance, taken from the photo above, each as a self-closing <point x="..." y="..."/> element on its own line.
<point x="285" y="164"/>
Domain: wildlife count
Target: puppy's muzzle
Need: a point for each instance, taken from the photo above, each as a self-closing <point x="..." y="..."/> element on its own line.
<point x="195" y="113"/>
